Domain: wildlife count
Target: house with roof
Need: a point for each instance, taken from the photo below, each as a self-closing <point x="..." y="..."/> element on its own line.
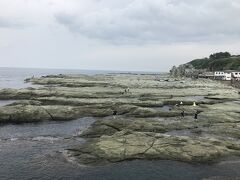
<point x="236" y="75"/>
<point x="219" y="75"/>
<point x="207" y="75"/>
<point x="226" y="75"/>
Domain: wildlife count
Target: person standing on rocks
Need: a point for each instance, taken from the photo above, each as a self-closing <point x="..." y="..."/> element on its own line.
<point x="182" y="113"/>
<point x="114" y="114"/>
<point x="196" y="115"/>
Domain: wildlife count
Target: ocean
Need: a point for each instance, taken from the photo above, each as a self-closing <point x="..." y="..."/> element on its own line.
<point x="34" y="150"/>
<point x="14" y="77"/>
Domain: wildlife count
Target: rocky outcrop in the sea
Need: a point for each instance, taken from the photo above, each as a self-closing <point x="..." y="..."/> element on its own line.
<point x="128" y="145"/>
<point x="147" y="97"/>
<point x="154" y="115"/>
<point x="212" y="137"/>
<point x="185" y="70"/>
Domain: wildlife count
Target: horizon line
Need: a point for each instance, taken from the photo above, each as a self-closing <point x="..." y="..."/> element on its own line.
<point x="75" y="69"/>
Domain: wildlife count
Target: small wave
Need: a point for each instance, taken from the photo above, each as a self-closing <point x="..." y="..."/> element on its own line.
<point x="229" y="162"/>
<point x="46" y="138"/>
<point x="67" y="155"/>
<point x="9" y="139"/>
<point x="13" y="139"/>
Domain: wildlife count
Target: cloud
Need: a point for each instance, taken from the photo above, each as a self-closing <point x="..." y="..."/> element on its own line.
<point x="12" y="23"/>
<point x="157" y="21"/>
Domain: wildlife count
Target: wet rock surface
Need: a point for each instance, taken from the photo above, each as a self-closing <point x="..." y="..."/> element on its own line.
<point x="148" y="123"/>
<point x="127" y="145"/>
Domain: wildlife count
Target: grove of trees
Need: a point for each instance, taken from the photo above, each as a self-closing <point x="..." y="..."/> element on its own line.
<point x="220" y="55"/>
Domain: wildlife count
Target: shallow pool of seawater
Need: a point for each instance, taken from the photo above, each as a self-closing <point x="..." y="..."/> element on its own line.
<point x="163" y="108"/>
<point x="34" y="151"/>
<point x="6" y="102"/>
<point x="194" y="98"/>
<point x="52" y="129"/>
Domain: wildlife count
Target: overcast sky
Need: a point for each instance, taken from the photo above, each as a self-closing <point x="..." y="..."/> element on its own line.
<point x="145" y="35"/>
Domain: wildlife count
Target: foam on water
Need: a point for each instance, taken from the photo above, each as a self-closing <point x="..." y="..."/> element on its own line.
<point x="46" y="138"/>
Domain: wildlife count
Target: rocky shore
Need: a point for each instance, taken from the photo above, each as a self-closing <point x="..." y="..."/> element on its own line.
<point x="148" y="122"/>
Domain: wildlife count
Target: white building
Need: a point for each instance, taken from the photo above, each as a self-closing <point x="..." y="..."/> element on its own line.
<point x="223" y="75"/>
<point x="236" y="75"/>
<point x="228" y="76"/>
<point x="219" y="75"/>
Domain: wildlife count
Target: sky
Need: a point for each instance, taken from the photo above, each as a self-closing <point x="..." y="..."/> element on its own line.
<point x="137" y="35"/>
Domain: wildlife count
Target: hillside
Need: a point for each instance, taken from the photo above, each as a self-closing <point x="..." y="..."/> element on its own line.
<point x="216" y="64"/>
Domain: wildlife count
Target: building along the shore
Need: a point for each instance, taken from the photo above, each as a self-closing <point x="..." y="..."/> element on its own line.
<point x="236" y="79"/>
<point x="227" y="75"/>
<point x="219" y="75"/>
<point x="207" y="75"/>
<point x="236" y="75"/>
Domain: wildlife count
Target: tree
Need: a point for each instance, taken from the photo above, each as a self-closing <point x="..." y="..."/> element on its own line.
<point x="220" y="55"/>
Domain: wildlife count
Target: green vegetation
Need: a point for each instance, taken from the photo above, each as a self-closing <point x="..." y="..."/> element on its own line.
<point x="220" y="55"/>
<point x="217" y="61"/>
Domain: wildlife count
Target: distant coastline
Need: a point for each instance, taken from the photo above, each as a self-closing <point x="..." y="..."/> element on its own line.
<point x="87" y="71"/>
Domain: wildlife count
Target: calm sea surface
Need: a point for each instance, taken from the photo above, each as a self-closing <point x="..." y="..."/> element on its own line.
<point x="34" y="151"/>
<point x="14" y="77"/>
